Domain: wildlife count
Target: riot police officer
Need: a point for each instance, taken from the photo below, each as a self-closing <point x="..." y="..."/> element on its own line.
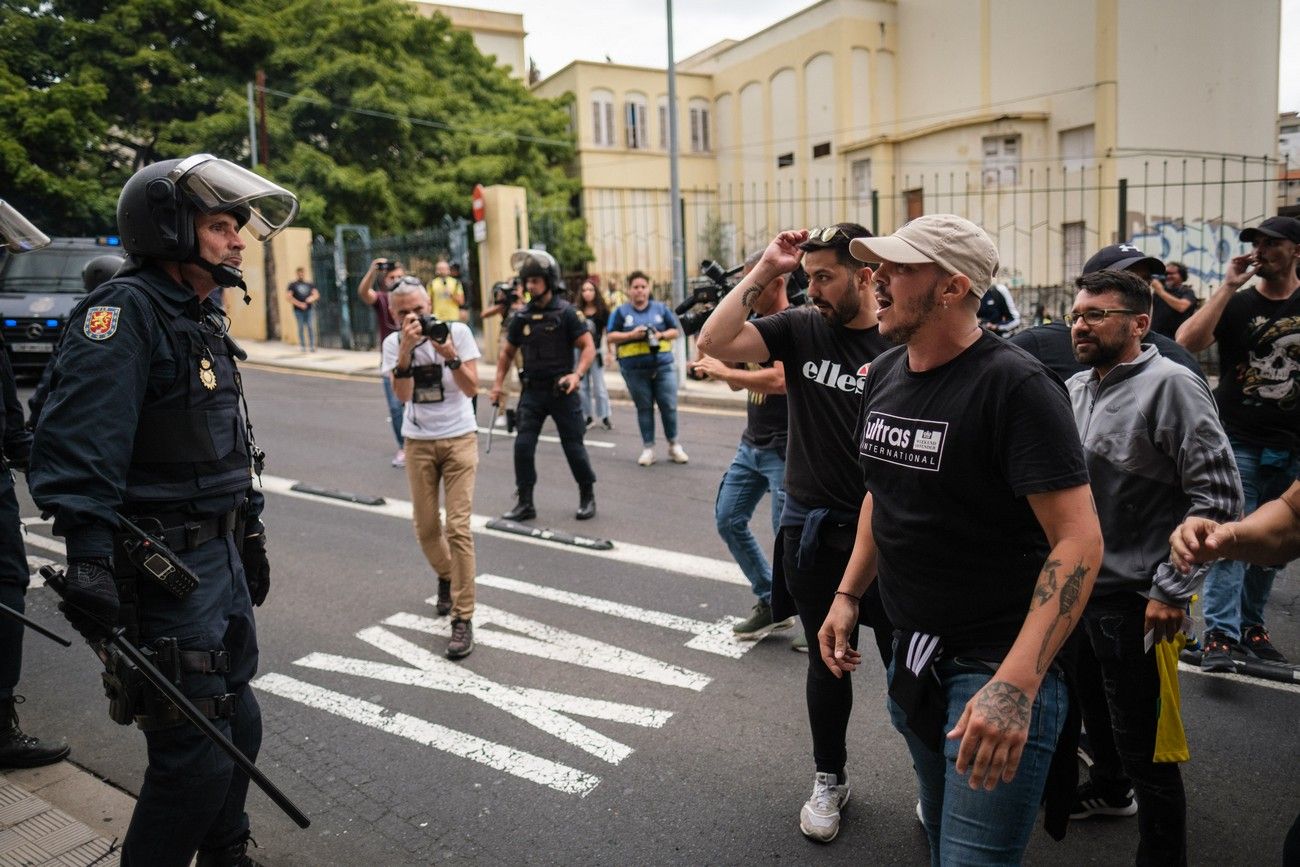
<point x="547" y="331"/>
<point x="144" y="422"/>
<point x="17" y="749"/>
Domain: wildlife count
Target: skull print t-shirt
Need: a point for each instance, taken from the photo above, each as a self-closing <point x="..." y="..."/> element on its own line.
<point x="1259" y="370"/>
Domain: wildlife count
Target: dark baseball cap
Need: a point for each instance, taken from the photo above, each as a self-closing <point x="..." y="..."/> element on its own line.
<point x="1121" y="257"/>
<point x="1287" y="228"/>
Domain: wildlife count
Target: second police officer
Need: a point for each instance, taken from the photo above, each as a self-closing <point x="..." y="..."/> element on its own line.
<point x="547" y="331"/>
<point x="144" y="421"/>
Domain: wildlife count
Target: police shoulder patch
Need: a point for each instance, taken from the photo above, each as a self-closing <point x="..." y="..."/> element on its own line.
<point x="101" y="322"/>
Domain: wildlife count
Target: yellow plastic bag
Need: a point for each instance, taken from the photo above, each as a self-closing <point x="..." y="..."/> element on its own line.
<point x="1171" y="740"/>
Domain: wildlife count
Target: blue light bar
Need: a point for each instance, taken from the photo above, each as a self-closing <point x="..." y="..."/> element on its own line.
<point x="11" y="323"/>
<point x="51" y="323"/>
<point x="108" y="241"/>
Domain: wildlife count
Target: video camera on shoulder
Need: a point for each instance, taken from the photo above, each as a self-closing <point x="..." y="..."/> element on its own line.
<point x="506" y="292"/>
<point x="434" y="328"/>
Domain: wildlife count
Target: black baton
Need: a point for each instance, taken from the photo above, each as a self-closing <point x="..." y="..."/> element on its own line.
<point x="33" y="625"/>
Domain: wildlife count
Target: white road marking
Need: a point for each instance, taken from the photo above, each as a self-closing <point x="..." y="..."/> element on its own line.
<point x="623" y="552"/>
<point x="715" y="637"/>
<point x="34" y="564"/>
<point x="527" y="766"/>
<point x="548" y="642"/>
<point x="1243" y="679"/>
<point x="45" y="543"/>
<point x="546" y="438"/>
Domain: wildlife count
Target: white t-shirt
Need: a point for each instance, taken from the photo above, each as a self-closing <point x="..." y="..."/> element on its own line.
<point x="438" y="408"/>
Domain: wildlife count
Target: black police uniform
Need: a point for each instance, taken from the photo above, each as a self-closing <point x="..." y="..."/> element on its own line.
<point x="545" y="336"/>
<point x="13" y="558"/>
<point x="144" y="418"/>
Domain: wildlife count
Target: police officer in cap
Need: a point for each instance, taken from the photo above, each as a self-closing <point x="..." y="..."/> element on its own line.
<point x="17" y="748"/>
<point x="547" y="331"/>
<point x="144" y="421"/>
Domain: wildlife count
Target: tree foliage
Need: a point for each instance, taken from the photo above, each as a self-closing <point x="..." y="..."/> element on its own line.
<point x="375" y="115"/>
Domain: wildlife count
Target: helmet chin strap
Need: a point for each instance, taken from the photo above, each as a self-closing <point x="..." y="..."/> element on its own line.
<point x="223" y="275"/>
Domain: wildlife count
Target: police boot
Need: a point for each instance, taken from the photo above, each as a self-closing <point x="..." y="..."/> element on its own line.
<point x="586" y="503"/>
<point x="18" y="750"/>
<point x="234" y="855"/>
<point x="523" y="510"/>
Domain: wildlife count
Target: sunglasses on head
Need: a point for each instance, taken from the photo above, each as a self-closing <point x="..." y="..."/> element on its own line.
<point x="826" y="234"/>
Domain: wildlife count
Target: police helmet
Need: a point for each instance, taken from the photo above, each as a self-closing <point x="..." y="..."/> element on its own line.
<point x="538" y="263"/>
<point x="17" y="234"/>
<point x="157" y="207"/>
<point x="100" y="270"/>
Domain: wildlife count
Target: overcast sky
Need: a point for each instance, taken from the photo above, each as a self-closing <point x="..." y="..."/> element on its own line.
<point x="635" y="32"/>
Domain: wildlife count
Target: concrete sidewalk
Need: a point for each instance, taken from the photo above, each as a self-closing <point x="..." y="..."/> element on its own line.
<point x="62" y="815"/>
<point x="365" y="365"/>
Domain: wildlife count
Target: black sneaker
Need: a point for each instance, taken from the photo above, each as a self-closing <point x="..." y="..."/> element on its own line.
<point x="1218" y="652"/>
<point x="1255" y="639"/>
<point x="1089" y="800"/>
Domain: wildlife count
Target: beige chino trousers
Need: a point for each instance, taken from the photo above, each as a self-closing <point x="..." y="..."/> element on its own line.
<point x="450" y="465"/>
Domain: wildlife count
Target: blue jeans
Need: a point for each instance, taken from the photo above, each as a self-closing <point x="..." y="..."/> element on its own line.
<point x="592" y="391"/>
<point x="753" y="472"/>
<point x="649" y="386"/>
<point x="967" y="827"/>
<point x="306" y="327"/>
<point x="395" y="410"/>
<point x="1235" y="593"/>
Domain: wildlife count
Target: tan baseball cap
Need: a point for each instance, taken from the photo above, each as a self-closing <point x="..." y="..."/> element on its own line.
<point x="954" y="243"/>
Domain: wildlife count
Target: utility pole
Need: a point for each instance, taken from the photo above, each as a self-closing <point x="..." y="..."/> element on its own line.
<point x="675" y="198"/>
<point x="252" y="129"/>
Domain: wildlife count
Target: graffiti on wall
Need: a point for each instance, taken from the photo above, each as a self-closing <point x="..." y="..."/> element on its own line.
<point x="1204" y="247"/>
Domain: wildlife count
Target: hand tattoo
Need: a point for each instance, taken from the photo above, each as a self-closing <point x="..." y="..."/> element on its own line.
<point x="1003" y="706"/>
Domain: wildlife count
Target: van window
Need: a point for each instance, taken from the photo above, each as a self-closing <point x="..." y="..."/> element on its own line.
<point x="46" y="271"/>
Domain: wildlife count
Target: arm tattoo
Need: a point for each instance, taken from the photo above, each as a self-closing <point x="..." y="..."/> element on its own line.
<point x="1046" y="585"/>
<point x="1004" y="707"/>
<point x="750" y="296"/>
<point x="1066" y="600"/>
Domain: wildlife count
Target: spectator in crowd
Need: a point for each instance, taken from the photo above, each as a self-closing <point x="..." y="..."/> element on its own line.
<point x="1156" y="454"/>
<point x="759" y="465"/>
<point x="446" y="293"/>
<point x="824" y="348"/>
<point x="380" y="277"/>
<point x="435" y="380"/>
<point x="998" y="311"/>
<point x="1173" y="301"/>
<point x="1050" y="343"/>
<point x="642" y="332"/>
<point x="303" y="295"/>
<point x="1257" y="329"/>
<point x="467" y="291"/>
<point x="593" y="394"/>
<point x="962" y="432"/>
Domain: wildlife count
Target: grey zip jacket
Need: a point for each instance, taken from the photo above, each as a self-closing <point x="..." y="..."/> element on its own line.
<point x="1156" y="454"/>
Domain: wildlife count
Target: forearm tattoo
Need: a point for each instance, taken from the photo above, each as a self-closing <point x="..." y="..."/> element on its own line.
<point x="1067" y="600"/>
<point x="1046" y="585"/>
<point x="750" y="296"/>
<point x="1004" y="707"/>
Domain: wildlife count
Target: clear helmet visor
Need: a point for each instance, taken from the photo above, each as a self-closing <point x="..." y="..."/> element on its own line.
<point x="220" y="186"/>
<point x="17" y="234"/>
<point x="533" y="260"/>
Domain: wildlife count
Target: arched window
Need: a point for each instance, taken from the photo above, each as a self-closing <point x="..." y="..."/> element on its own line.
<point x="634" y="121"/>
<point x="602" y="118"/>
<point x="700" y="138"/>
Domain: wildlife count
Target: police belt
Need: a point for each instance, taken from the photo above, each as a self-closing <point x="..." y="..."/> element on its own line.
<point x="182" y="533"/>
<point x="543" y="383"/>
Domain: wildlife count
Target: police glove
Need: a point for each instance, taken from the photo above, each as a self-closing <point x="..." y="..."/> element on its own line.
<point x="90" y="599"/>
<point x="257" y="569"/>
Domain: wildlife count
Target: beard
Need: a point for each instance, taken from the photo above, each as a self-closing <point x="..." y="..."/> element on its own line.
<point x="1097" y="353"/>
<point x="905" y="321"/>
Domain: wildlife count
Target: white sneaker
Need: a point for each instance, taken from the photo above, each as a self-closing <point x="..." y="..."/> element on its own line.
<point x="399" y="459"/>
<point x="678" y="454"/>
<point x="820" y="817"/>
<point x="647" y="457"/>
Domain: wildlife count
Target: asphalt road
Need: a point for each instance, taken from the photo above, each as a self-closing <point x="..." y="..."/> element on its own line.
<point x="600" y="720"/>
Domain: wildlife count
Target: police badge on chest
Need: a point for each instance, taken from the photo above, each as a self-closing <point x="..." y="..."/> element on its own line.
<point x="427" y="386"/>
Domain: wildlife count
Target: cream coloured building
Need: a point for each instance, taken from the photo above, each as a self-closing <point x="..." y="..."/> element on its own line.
<point x="499" y="34"/>
<point x="1060" y="127"/>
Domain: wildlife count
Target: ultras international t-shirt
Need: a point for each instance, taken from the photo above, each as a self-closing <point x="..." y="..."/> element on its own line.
<point x="824" y="367"/>
<point x="950" y="455"/>
<point x="1259" y="370"/>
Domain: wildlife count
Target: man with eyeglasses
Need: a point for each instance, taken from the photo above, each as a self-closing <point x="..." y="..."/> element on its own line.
<point x="825" y="349"/>
<point x="1258" y="331"/>
<point x="1157" y="455"/>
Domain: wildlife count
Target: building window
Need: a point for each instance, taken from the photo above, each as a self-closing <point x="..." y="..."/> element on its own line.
<point x="634" y="121"/>
<point x="1074" y="237"/>
<point x="785" y="161"/>
<point x="821" y="150"/>
<point x="862" y="183"/>
<point x="602" y="118"/>
<point x="700" y="126"/>
<point x="915" y="200"/>
<point x="1001" y="160"/>
<point x="663" y="123"/>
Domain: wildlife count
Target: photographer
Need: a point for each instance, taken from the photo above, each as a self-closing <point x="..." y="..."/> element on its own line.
<point x="642" y="331"/>
<point x="387" y="272"/>
<point x="433" y="372"/>
<point x="759" y="464"/>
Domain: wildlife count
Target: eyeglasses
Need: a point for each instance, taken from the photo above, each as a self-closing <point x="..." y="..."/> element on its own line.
<point x="825" y="234"/>
<point x="1095" y="317"/>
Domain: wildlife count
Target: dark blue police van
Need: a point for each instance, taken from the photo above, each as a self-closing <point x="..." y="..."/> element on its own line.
<point x="37" y="292"/>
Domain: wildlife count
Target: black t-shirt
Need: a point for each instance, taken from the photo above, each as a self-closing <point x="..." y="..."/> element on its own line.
<point x="301" y="290"/>
<point x="824" y="366"/>
<point x="950" y="456"/>
<point x="1259" y="370"/>
<point x="1164" y="319"/>
<point x="769" y="419"/>
<point x="1051" y="345"/>
<point x="546" y="364"/>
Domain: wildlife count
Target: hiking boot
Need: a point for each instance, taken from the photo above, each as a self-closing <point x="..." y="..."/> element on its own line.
<point x="1217" y="655"/>
<point x="1255" y="639"/>
<point x="760" y="623"/>
<point x="647" y="457"/>
<point x="586" y="504"/>
<point x="462" y="639"/>
<point x="523" y="510"/>
<point x="19" y="750"/>
<point x="800" y="643"/>
<point x="677" y="453"/>
<point x="235" y="855"/>
<point x="1091" y="800"/>
<point x="443" y="607"/>
<point x="820" y="817"/>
